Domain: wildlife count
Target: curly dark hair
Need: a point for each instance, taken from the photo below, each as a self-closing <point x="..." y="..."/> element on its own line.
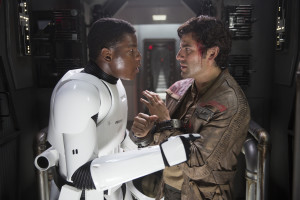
<point x="106" y="33"/>
<point x="209" y="32"/>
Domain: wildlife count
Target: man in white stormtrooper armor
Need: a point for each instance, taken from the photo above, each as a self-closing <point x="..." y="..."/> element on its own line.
<point x="87" y="125"/>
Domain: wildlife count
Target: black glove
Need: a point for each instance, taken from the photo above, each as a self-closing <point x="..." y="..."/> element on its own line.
<point x="82" y="178"/>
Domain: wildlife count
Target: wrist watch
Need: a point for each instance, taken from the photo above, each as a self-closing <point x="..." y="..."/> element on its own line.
<point x="168" y="125"/>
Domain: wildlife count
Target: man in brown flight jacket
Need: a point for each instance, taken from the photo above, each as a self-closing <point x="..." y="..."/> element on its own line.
<point x="207" y="101"/>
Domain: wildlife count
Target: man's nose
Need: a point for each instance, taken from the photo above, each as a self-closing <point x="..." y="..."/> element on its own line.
<point x="138" y="55"/>
<point x="179" y="55"/>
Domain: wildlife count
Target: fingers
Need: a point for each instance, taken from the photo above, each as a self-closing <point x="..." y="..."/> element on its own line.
<point x="138" y="130"/>
<point x="153" y="118"/>
<point x="152" y="98"/>
<point x="142" y="124"/>
<point x="146" y="119"/>
<point x="141" y="121"/>
<point x="147" y="103"/>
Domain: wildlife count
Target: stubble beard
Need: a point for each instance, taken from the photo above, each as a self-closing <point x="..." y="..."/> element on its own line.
<point x="185" y="74"/>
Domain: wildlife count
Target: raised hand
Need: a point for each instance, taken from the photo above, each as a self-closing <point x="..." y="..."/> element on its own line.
<point x="155" y="105"/>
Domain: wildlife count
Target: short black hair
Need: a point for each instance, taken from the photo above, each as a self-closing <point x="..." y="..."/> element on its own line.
<point x="106" y="33"/>
<point x="209" y="32"/>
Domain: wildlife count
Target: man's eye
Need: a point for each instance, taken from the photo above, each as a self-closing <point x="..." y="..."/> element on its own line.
<point x="131" y="51"/>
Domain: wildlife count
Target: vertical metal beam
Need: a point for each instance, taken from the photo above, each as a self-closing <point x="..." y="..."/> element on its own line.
<point x="263" y="147"/>
<point x="263" y="166"/>
<point x="251" y="155"/>
<point x="42" y="176"/>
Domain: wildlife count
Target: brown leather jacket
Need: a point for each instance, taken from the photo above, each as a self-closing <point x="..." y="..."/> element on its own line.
<point x="221" y="116"/>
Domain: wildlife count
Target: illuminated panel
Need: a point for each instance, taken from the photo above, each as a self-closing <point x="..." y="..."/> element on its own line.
<point x="159" y="17"/>
<point x="239" y="21"/>
<point x="280" y="26"/>
<point x="24" y="34"/>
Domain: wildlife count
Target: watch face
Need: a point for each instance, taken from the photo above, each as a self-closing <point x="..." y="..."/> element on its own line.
<point x="176" y="123"/>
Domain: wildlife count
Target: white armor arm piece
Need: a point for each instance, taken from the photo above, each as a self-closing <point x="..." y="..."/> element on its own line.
<point x="112" y="170"/>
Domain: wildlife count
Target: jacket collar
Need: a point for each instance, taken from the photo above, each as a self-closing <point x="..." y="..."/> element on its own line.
<point x="211" y="86"/>
<point x="215" y="83"/>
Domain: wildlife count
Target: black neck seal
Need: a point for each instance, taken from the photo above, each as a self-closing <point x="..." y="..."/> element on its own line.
<point x="93" y="69"/>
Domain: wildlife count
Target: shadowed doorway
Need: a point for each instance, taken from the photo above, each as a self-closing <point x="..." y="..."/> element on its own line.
<point x="160" y="65"/>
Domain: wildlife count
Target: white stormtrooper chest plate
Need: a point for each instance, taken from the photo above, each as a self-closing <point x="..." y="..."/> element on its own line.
<point x="111" y="128"/>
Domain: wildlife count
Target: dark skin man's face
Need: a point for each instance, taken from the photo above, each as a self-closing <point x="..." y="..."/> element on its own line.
<point x="126" y="59"/>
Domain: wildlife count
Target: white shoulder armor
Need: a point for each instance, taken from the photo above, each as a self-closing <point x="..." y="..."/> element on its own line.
<point x="75" y="103"/>
<point x="77" y="99"/>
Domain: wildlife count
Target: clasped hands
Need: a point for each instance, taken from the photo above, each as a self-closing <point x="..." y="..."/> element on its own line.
<point x="143" y="123"/>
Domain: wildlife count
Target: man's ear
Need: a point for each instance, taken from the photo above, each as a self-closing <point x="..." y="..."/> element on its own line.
<point x="213" y="52"/>
<point x="106" y="54"/>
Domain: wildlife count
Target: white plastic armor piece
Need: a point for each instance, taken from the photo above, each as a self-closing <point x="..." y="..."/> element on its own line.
<point x="87" y="122"/>
<point x="107" y="170"/>
<point x="68" y="192"/>
<point x="47" y="159"/>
